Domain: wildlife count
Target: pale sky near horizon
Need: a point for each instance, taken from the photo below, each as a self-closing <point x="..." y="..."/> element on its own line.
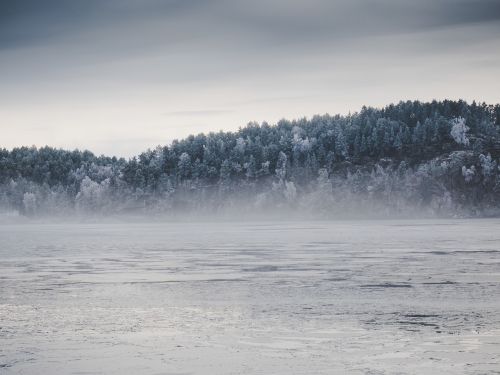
<point x="120" y="76"/>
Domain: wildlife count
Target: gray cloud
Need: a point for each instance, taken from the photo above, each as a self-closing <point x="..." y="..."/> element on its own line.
<point x="34" y="22"/>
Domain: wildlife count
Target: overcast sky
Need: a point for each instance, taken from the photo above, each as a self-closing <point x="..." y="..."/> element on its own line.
<point x="119" y="76"/>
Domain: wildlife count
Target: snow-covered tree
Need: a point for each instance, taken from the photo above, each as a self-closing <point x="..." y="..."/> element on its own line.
<point x="29" y="203"/>
<point x="468" y="173"/>
<point x="488" y="165"/>
<point x="290" y="191"/>
<point x="281" y="166"/>
<point x="91" y="195"/>
<point x="184" y="165"/>
<point x="459" y="131"/>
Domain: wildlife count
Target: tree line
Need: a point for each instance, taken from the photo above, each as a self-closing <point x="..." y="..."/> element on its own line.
<point x="436" y="158"/>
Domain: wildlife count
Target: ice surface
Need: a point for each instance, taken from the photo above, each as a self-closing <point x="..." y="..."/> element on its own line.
<point x="364" y="297"/>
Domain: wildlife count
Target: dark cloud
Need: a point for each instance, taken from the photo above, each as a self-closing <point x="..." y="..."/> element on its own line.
<point x="32" y="22"/>
<point x="28" y="22"/>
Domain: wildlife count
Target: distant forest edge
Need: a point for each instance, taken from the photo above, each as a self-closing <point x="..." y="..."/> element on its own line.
<point x="439" y="158"/>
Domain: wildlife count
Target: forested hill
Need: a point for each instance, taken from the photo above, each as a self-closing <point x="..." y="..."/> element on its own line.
<point x="437" y="158"/>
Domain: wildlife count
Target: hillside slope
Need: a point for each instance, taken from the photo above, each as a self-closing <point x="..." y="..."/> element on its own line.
<point x="436" y="158"/>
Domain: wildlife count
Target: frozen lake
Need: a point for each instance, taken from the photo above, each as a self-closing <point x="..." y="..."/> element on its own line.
<point x="361" y="297"/>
